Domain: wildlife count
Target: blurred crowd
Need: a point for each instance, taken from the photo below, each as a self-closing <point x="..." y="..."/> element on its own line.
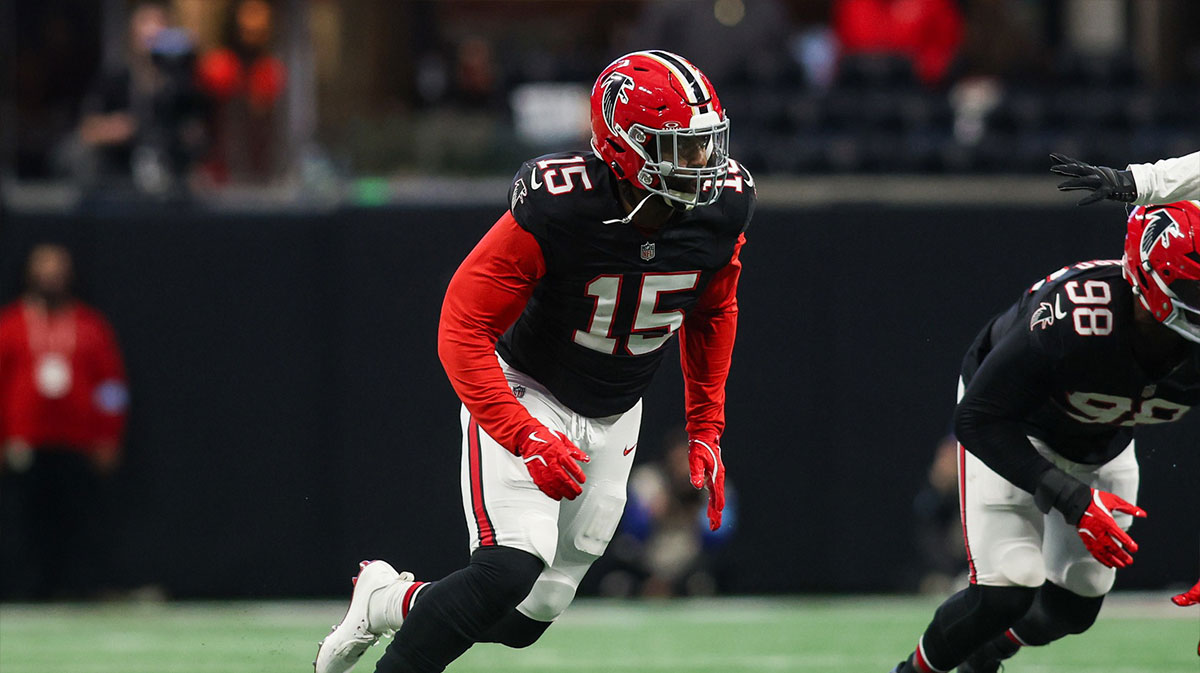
<point x="165" y="114"/>
<point x="169" y="96"/>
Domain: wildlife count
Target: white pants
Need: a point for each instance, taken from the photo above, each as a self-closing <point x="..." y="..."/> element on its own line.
<point x="505" y="508"/>
<point x="1011" y="543"/>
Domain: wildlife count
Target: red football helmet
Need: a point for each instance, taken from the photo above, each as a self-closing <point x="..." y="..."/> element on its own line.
<point x="1162" y="262"/>
<point x="656" y="122"/>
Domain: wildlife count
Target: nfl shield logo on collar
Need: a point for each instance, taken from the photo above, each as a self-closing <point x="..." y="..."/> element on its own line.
<point x="647" y="251"/>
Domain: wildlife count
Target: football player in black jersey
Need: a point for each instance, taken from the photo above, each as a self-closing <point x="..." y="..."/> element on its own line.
<point x="550" y="332"/>
<point x="1052" y="391"/>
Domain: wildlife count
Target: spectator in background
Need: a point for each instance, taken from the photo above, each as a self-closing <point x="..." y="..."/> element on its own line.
<point x="940" y="551"/>
<point x="664" y="546"/>
<point x="927" y="32"/>
<point x="476" y="76"/>
<point x="462" y="129"/>
<point x="143" y="121"/>
<point x="246" y="81"/>
<point x="63" y="398"/>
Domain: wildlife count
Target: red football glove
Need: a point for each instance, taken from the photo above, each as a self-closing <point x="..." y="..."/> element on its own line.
<point x="551" y="460"/>
<point x="704" y="459"/>
<point x="1101" y="534"/>
<point x="1189" y="597"/>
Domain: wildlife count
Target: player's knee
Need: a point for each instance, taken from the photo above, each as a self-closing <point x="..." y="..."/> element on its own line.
<point x="1087" y="578"/>
<point x="548" y="599"/>
<point x="1023" y="566"/>
<point x="524" y="632"/>
<point x="1005" y="605"/>
<point x="1071" y="612"/>
<point x="509" y="574"/>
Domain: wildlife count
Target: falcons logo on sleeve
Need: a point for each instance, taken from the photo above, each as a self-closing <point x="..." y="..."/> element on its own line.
<point x="1043" y="316"/>
<point x="1046" y="314"/>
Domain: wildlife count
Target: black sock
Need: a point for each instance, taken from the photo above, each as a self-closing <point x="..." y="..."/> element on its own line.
<point x="966" y="621"/>
<point x="515" y="630"/>
<point x="458" y="610"/>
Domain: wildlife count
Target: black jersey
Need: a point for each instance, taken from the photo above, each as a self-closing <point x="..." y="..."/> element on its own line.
<point x="595" y="328"/>
<point x="1061" y="362"/>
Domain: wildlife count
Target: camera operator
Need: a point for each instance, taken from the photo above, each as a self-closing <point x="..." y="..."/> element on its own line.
<point x="144" y="121"/>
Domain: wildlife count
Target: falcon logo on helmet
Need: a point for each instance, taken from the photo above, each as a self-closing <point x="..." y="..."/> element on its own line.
<point x="616" y="88"/>
<point x="1162" y="263"/>
<point x="1160" y="227"/>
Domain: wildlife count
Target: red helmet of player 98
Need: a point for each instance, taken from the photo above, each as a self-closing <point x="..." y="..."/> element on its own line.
<point x="1162" y="262"/>
<point x="657" y="122"/>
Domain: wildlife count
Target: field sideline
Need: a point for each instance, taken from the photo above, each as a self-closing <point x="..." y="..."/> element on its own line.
<point x="1135" y="634"/>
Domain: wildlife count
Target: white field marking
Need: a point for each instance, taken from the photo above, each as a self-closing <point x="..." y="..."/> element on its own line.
<point x="1145" y="605"/>
<point x="604" y="612"/>
<point x="552" y="660"/>
<point x="1078" y="668"/>
<point x="1122" y="604"/>
<point x="161" y="664"/>
<point x="256" y="613"/>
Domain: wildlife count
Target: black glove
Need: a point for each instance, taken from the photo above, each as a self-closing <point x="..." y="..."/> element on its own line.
<point x="1104" y="182"/>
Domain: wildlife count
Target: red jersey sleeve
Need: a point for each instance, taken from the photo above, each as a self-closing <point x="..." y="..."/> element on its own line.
<point x="486" y="296"/>
<point x="706" y="349"/>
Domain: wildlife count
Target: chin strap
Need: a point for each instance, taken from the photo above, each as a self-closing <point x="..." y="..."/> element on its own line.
<point x="629" y="218"/>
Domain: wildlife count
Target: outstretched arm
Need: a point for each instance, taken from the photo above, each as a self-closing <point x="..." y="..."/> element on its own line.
<point x="1165" y="181"/>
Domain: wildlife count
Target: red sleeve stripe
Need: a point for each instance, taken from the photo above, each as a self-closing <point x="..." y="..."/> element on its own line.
<point x="483" y="523"/>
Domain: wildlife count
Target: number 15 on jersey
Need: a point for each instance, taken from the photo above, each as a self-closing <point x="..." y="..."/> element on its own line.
<point x="650" y="329"/>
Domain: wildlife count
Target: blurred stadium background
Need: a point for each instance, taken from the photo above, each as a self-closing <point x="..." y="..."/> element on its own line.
<point x="273" y="240"/>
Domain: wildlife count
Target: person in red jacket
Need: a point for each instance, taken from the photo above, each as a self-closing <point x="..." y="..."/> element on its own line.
<point x="63" y="397"/>
<point x="551" y="330"/>
<point x="245" y="81"/>
<point x="928" y="32"/>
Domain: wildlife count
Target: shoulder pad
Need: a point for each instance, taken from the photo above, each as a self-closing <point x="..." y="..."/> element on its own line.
<point x="561" y="187"/>
<point x="1079" y="306"/>
<point x="732" y="212"/>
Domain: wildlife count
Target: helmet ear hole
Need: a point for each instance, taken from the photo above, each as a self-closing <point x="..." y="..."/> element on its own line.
<point x="615" y="147"/>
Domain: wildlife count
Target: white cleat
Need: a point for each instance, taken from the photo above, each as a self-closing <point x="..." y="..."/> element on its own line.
<point x="345" y="645"/>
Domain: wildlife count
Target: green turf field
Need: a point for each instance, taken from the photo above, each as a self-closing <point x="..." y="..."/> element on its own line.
<point x="1135" y="634"/>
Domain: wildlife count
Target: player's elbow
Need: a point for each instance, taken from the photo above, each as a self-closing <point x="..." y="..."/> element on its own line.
<point x="448" y="344"/>
<point x="709" y="316"/>
<point x="449" y="351"/>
